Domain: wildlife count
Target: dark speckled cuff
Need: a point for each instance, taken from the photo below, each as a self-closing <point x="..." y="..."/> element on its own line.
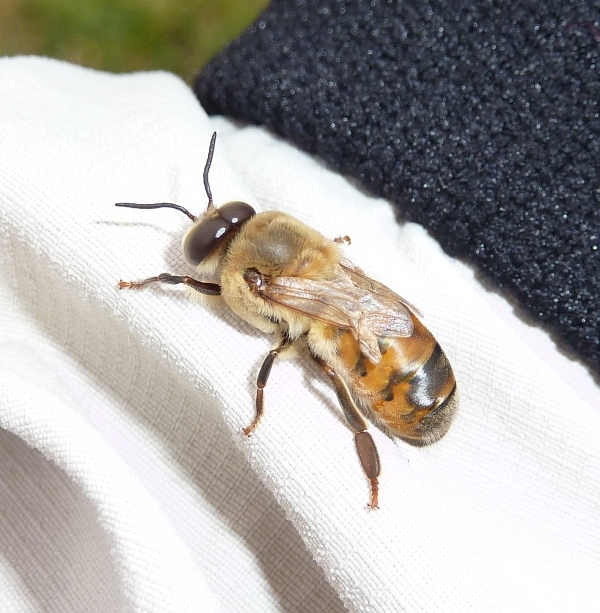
<point x="478" y="120"/>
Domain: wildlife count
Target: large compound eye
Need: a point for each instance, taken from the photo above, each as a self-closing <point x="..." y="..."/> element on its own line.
<point x="236" y="213"/>
<point x="207" y="234"/>
<point x="202" y="239"/>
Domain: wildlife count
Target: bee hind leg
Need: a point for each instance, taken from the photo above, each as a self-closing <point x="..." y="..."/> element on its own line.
<point x="369" y="459"/>
<point x="365" y="445"/>
<point x="210" y="289"/>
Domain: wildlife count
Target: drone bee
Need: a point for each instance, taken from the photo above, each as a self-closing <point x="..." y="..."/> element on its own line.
<point x="287" y="279"/>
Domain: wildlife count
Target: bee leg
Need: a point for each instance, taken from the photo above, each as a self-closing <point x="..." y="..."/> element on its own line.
<point x="210" y="289"/>
<point x="369" y="459"/>
<point x="261" y="383"/>
<point x="346" y="240"/>
<point x="365" y="445"/>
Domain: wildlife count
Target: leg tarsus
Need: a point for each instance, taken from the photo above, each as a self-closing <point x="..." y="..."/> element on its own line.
<point x="374" y="504"/>
<point x="137" y="284"/>
<point x="260" y="406"/>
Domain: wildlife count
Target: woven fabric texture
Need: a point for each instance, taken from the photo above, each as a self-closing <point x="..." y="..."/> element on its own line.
<point x="126" y="482"/>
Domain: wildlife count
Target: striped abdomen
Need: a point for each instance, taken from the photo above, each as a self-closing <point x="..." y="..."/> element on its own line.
<point x="412" y="391"/>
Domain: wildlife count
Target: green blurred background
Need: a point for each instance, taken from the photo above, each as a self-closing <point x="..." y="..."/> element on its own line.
<point x="125" y="35"/>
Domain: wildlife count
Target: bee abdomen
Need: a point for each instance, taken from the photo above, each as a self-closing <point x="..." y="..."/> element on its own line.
<point x="436" y="422"/>
<point x="428" y="382"/>
<point x="419" y="398"/>
<point x="411" y="392"/>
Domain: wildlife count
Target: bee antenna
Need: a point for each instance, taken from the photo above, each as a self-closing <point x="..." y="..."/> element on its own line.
<point x="170" y="205"/>
<point x="157" y="205"/>
<point x="211" y="150"/>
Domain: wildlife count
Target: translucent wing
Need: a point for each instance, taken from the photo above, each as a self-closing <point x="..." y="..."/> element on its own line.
<point x="350" y="301"/>
<point x="360" y="279"/>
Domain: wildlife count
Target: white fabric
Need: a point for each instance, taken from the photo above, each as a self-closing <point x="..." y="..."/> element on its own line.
<point x="125" y="481"/>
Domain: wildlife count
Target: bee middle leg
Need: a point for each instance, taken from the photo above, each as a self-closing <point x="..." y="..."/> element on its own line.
<point x="210" y="289"/>
<point x="365" y="445"/>
<point x="261" y="383"/>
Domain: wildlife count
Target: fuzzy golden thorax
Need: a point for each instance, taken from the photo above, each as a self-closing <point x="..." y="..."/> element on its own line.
<point x="275" y="245"/>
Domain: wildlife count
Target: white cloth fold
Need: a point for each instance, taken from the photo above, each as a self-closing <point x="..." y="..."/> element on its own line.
<point x="126" y="482"/>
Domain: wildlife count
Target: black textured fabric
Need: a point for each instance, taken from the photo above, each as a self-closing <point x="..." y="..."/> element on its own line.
<point x="479" y="120"/>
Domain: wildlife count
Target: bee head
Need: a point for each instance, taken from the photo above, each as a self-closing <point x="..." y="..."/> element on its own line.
<point x="215" y="228"/>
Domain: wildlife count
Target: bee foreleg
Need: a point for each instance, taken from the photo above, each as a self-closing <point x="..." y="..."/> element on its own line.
<point x="261" y="383"/>
<point x="210" y="289"/>
<point x="365" y="445"/>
